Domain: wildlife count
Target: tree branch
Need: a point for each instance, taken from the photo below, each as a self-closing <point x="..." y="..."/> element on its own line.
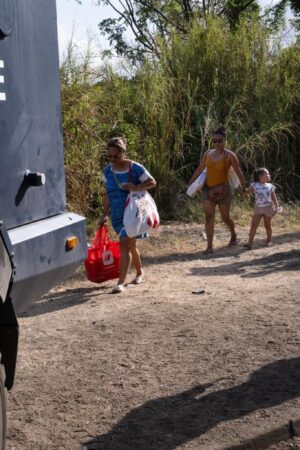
<point x="160" y="13"/>
<point x="147" y="44"/>
<point x="148" y="41"/>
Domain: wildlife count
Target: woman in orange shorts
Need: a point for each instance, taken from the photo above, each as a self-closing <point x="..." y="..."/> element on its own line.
<point x="217" y="190"/>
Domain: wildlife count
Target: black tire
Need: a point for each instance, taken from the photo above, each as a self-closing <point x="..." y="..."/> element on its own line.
<point x="3" y="400"/>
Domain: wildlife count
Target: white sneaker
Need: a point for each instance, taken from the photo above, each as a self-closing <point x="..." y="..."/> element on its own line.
<point x="118" y="288"/>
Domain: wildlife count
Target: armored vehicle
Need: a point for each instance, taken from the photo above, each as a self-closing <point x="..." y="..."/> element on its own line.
<point x="41" y="243"/>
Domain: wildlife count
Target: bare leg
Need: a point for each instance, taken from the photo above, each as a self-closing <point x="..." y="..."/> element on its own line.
<point x="255" y="222"/>
<point x="225" y="214"/>
<point x="136" y="259"/>
<point x="209" y="211"/>
<point x="126" y="257"/>
<point x="268" y="227"/>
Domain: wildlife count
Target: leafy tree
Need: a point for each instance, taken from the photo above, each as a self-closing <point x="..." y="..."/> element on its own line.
<point x="276" y="13"/>
<point x="153" y="20"/>
<point x="150" y="21"/>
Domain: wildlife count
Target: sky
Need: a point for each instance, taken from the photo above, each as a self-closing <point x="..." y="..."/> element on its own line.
<point x="81" y="20"/>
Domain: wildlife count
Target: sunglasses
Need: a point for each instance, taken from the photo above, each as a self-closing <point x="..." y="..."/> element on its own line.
<point x="218" y="141"/>
<point x="113" y="156"/>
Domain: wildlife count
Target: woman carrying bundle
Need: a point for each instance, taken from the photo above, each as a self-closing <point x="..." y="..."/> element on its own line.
<point x="217" y="190"/>
<point x="121" y="176"/>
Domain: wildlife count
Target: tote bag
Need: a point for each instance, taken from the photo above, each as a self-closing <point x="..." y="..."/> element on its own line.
<point x="141" y="215"/>
<point x="103" y="259"/>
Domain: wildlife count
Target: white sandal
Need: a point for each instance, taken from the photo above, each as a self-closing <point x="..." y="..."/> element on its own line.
<point x="139" y="279"/>
<point x="118" y="288"/>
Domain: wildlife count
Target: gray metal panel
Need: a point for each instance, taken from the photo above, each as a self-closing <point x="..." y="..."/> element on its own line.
<point x="41" y="256"/>
<point x="6" y="270"/>
<point x="7" y="17"/>
<point x="6" y="263"/>
<point x="30" y="112"/>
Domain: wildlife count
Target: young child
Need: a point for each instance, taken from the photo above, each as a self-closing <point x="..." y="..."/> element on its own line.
<point x="265" y="197"/>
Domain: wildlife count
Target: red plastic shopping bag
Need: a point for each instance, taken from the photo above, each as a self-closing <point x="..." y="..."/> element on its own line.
<point x="103" y="259"/>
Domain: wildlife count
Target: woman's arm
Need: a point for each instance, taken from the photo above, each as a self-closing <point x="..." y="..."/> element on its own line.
<point x="150" y="183"/>
<point x="249" y="190"/>
<point x="274" y="199"/>
<point x="199" y="169"/>
<point x="235" y="164"/>
<point x="103" y="217"/>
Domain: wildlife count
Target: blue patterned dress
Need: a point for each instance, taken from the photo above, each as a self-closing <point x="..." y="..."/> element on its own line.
<point x="117" y="196"/>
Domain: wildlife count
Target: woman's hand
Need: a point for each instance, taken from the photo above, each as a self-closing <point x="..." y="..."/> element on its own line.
<point x="103" y="219"/>
<point x="199" y="169"/>
<point x="147" y="184"/>
<point x="129" y="186"/>
<point x="246" y="191"/>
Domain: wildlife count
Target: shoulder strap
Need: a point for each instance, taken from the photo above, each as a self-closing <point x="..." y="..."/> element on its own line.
<point x="129" y="175"/>
<point x="226" y="153"/>
<point x="115" y="177"/>
<point x="129" y="172"/>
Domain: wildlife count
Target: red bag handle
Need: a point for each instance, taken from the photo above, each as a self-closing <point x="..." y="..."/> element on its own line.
<point x="101" y="236"/>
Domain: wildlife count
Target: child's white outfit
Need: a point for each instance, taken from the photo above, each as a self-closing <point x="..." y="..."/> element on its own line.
<point x="263" y="198"/>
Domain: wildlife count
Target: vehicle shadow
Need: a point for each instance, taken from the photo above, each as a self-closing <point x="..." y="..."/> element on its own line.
<point x="56" y="301"/>
<point x="258" y="267"/>
<point x="167" y="423"/>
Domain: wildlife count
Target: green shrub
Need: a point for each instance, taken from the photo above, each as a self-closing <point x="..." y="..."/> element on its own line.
<point x="168" y="109"/>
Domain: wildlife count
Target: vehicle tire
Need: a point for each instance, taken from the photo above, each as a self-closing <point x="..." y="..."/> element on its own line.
<point x="3" y="400"/>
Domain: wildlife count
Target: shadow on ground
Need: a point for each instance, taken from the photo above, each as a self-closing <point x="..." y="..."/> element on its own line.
<point x="255" y="267"/>
<point x="221" y="252"/>
<point x="258" y="267"/>
<point x="167" y="423"/>
<point x="57" y="301"/>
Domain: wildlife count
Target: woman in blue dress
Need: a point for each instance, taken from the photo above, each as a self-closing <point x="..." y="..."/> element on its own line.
<point x="121" y="176"/>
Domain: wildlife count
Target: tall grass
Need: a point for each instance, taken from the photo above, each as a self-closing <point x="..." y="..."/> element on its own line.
<point x="168" y="109"/>
<point x="235" y="79"/>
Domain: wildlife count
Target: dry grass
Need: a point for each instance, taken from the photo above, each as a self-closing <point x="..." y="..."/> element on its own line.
<point x="190" y="231"/>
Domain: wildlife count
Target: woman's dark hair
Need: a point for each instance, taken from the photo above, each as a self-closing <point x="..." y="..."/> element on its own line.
<point x="258" y="172"/>
<point x="119" y="142"/>
<point x="221" y="130"/>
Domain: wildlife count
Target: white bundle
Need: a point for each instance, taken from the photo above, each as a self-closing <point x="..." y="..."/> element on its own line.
<point x="197" y="185"/>
<point x="233" y="179"/>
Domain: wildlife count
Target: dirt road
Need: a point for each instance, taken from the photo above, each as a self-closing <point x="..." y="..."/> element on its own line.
<point x="203" y="355"/>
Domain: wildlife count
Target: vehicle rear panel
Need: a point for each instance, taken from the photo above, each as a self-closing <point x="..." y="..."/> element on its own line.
<point x="31" y="140"/>
<point x="30" y="112"/>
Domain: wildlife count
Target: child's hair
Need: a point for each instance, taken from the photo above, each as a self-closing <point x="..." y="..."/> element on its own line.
<point x="258" y="172"/>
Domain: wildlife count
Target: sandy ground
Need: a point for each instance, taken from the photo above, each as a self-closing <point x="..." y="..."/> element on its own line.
<point x="203" y="355"/>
